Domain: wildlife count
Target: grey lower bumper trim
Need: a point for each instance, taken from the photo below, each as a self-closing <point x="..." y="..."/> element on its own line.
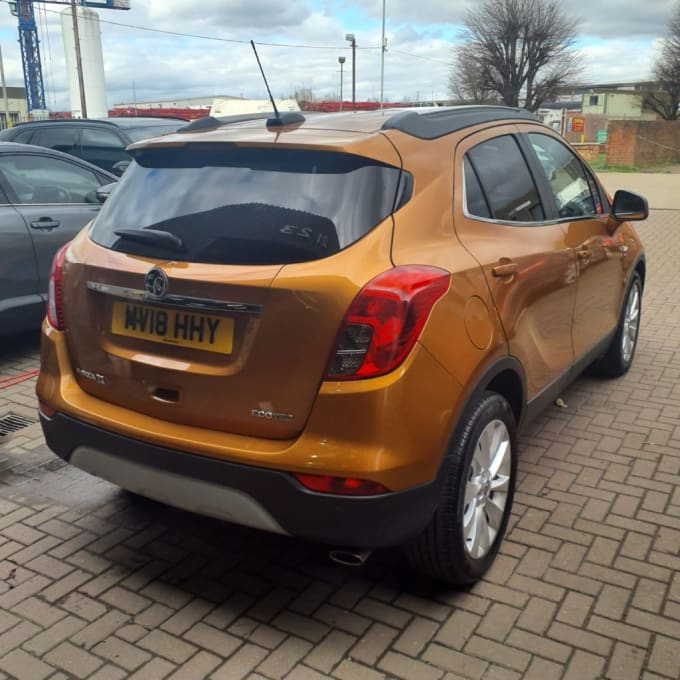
<point x="194" y="495"/>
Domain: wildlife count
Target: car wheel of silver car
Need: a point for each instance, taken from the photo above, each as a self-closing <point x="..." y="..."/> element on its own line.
<point x="619" y="356"/>
<point x="462" y="539"/>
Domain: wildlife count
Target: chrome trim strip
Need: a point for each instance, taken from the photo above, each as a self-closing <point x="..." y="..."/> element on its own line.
<point x="181" y="301"/>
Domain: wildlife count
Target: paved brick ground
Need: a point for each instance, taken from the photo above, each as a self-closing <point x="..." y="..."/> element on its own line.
<point x="95" y="583"/>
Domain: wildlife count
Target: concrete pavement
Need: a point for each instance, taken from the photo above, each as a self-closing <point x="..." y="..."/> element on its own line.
<point x="662" y="190"/>
<point x="97" y="583"/>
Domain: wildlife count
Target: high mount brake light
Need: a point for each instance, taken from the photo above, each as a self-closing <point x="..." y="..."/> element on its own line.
<point x="55" y="306"/>
<point x="384" y="321"/>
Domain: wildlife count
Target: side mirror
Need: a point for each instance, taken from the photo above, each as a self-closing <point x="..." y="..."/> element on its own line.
<point x="628" y="206"/>
<point x="120" y="167"/>
<point x="105" y="191"/>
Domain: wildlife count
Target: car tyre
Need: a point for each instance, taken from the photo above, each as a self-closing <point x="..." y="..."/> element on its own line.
<point x="462" y="539"/>
<point x="619" y="356"/>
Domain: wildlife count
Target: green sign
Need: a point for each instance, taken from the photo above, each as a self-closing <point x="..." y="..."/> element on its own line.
<point x="601" y="137"/>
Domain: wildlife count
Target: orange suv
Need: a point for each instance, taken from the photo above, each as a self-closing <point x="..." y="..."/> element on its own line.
<point x="333" y="327"/>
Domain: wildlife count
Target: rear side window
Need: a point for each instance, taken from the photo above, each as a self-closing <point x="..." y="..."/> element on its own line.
<point x="60" y="138"/>
<point x="506" y="181"/>
<point x="238" y="205"/>
<point x="23" y="136"/>
<point x="475" y="200"/>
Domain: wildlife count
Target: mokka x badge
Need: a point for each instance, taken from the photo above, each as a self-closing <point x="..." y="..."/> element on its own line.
<point x="91" y="375"/>
<point x="156" y="283"/>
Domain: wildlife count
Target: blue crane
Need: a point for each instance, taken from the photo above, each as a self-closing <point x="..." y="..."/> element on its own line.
<point x="30" y="45"/>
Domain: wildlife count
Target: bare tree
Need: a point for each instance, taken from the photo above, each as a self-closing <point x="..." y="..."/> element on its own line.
<point x="302" y="93"/>
<point x="468" y="83"/>
<point x="665" y="98"/>
<point x="520" y="50"/>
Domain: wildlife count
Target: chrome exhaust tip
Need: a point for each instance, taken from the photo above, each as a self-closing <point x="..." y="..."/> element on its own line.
<point x="348" y="557"/>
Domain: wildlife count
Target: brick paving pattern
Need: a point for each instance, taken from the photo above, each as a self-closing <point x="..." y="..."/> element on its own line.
<point x="97" y="583"/>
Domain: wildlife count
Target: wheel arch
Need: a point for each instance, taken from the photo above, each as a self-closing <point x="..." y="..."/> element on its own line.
<point x="505" y="376"/>
<point x="510" y="386"/>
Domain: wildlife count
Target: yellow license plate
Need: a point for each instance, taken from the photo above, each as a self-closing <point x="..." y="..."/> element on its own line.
<point x="173" y="327"/>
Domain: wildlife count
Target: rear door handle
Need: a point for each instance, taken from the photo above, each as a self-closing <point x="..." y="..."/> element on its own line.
<point x="45" y="223"/>
<point x="509" y="269"/>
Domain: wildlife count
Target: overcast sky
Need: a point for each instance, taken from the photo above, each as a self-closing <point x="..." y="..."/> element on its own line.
<point x="618" y="40"/>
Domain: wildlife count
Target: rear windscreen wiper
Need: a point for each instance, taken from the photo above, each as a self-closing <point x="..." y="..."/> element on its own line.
<point x="152" y="237"/>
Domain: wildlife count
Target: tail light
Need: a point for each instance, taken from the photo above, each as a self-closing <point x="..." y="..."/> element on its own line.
<point x="384" y="321"/>
<point x="46" y="410"/>
<point x="55" y="307"/>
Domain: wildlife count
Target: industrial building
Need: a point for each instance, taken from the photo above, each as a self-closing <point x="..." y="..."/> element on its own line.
<point x="13" y="107"/>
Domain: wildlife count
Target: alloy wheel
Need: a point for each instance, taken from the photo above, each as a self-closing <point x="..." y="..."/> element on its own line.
<point x="631" y="322"/>
<point x="486" y="490"/>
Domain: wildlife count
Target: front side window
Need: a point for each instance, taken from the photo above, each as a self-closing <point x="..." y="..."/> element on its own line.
<point x="40" y="179"/>
<point x="94" y="139"/>
<point x="246" y="205"/>
<point x="506" y="181"/>
<point x="103" y="148"/>
<point x="566" y="176"/>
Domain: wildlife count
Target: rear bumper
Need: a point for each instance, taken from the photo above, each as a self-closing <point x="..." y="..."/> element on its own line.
<point x="263" y="498"/>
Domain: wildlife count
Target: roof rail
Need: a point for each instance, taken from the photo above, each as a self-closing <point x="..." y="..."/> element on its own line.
<point x="434" y="123"/>
<point x="98" y="121"/>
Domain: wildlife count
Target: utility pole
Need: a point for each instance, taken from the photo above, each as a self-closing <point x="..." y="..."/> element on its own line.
<point x="351" y="38"/>
<point x="79" y="61"/>
<point x="8" y="123"/>
<point x="382" y="60"/>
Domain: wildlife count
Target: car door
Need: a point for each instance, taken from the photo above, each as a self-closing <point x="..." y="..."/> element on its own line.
<point x="583" y="213"/>
<point x="528" y="265"/>
<point x="55" y="197"/>
<point x="21" y="305"/>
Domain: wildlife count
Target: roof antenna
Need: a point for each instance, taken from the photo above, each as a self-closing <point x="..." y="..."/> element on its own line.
<point x="278" y="120"/>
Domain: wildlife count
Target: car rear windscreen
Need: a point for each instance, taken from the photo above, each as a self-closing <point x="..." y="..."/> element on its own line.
<point x="246" y="205"/>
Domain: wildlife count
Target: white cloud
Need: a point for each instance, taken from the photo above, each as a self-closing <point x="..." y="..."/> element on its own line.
<point x="604" y="63"/>
<point x="228" y="15"/>
<point x="599" y="18"/>
<point x="419" y="34"/>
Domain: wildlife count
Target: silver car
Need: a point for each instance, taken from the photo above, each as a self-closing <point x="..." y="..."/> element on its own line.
<point x="46" y="197"/>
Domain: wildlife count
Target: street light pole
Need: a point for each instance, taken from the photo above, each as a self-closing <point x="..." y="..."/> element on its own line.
<point x="341" y="61"/>
<point x="351" y="38"/>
